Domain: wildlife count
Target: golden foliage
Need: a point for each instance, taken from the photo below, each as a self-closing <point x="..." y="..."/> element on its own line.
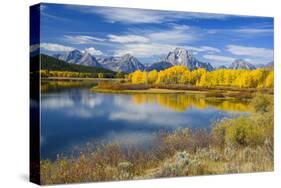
<point x="259" y="78"/>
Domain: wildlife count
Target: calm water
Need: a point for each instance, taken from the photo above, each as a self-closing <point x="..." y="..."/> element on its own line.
<point x="71" y="118"/>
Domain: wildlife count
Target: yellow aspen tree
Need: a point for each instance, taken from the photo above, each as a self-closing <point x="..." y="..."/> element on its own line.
<point x="152" y="77"/>
<point x="269" y="81"/>
<point x="137" y="77"/>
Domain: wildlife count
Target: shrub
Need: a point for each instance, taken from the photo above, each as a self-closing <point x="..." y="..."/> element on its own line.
<point x="262" y="103"/>
<point x="243" y="131"/>
<point x="125" y="171"/>
<point x="177" y="166"/>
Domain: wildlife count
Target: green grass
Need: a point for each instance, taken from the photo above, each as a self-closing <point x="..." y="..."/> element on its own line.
<point x="235" y="145"/>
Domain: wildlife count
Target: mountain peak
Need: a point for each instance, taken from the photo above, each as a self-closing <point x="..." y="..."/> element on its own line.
<point x="242" y="64"/>
<point x="182" y="50"/>
<point x="75" y="51"/>
<point x="181" y="56"/>
<point x="126" y="56"/>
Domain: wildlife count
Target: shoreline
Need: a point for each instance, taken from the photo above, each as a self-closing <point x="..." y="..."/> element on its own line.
<point x="216" y="94"/>
<point x="80" y="79"/>
<point x="142" y="91"/>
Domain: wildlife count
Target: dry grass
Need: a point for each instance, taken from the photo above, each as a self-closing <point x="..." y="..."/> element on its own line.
<point x="118" y="86"/>
<point x="209" y="92"/>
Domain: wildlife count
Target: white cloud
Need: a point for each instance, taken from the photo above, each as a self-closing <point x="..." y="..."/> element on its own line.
<point x="250" y="51"/>
<point x="93" y="51"/>
<point x="155" y="42"/>
<point x="139" y="16"/>
<point x="181" y="27"/>
<point x="55" y="47"/>
<point x="254" y="31"/>
<point x="207" y="16"/>
<point x="244" y="32"/>
<point x="219" y="58"/>
<point x="145" y="50"/>
<point x="210" y="49"/>
<point x="130" y="15"/>
<point x="82" y="39"/>
<point x="176" y="35"/>
<point x="128" y="38"/>
<point x="172" y="36"/>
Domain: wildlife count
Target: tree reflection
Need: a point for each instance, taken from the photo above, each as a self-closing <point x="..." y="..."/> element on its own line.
<point x="182" y="102"/>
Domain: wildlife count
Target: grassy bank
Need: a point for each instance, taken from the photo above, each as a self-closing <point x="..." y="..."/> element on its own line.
<point x="216" y="92"/>
<point x="243" y="144"/>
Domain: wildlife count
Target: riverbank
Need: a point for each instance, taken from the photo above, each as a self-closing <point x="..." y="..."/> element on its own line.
<point x="234" y="145"/>
<point x="211" y="92"/>
<point x="81" y="79"/>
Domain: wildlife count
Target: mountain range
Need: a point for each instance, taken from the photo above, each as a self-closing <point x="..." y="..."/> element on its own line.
<point x="128" y="63"/>
<point x="54" y="64"/>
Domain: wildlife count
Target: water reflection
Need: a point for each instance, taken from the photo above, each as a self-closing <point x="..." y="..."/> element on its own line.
<point x="182" y="102"/>
<point x="70" y="118"/>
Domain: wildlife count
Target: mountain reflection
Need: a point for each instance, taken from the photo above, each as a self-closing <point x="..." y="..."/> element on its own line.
<point x="182" y="102"/>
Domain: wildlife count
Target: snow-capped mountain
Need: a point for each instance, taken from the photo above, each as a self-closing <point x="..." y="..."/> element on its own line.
<point x="159" y="66"/>
<point x="88" y="60"/>
<point x="181" y="56"/>
<point x="77" y="57"/>
<point x="70" y="57"/>
<point x="126" y="63"/>
<point x="241" y="64"/>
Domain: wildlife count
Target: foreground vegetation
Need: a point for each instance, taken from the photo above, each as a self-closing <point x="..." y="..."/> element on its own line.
<point x="242" y="144"/>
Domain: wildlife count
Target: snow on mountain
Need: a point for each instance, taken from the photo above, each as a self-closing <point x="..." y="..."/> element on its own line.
<point x="241" y="64"/>
<point x="79" y="58"/>
<point x="126" y="63"/>
<point x="181" y="56"/>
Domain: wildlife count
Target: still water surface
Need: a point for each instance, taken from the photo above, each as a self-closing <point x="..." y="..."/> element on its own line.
<point x="73" y="117"/>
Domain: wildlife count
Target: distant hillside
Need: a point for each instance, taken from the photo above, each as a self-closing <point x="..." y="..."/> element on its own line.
<point x="54" y="64"/>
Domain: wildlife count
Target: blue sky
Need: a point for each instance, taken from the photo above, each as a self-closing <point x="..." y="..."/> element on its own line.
<point x="149" y="35"/>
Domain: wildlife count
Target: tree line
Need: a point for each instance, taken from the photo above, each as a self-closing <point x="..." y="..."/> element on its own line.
<point x="71" y="74"/>
<point x="258" y="78"/>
